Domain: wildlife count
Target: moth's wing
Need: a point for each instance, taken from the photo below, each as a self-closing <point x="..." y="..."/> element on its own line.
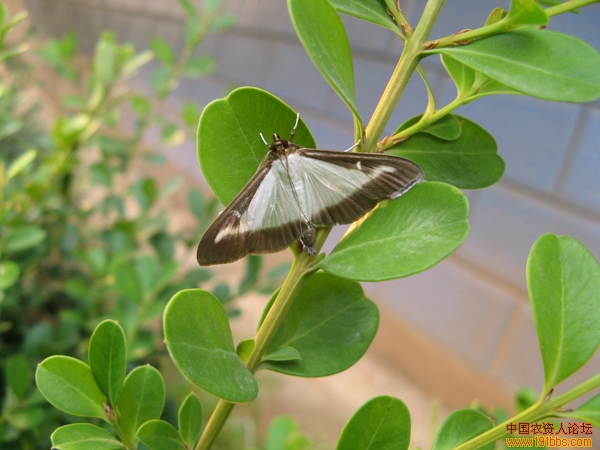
<point x="260" y="219"/>
<point x="339" y="187"/>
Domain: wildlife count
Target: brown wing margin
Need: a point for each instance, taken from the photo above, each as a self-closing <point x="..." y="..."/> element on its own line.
<point x="227" y="239"/>
<point x="383" y="184"/>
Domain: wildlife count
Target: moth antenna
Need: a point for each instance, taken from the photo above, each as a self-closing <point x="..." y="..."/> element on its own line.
<point x="294" y="129"/>
<point x="353" y="147"/>
<point x="263" y="139"/>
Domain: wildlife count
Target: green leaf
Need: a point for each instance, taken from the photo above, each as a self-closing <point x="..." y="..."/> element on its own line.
<point x="283" y="354"/>
<point x="128" y="282"/>
<point x="23" y="238"/>
<point x="106" y="66"/>
<point x="199" y="66"/>
<point x="284" y="434"/>
<point x="145" y="191"/>
<point x="84" y="436"/>
<point x="69" y="385"/>
<point x="245" y="348"/>
<point x="543" y="64"/>
<point x="447" y="128"/>
<point x="461" y="426"/>
<point x="190" y="112"/>
<point x="188" y="7"/>
<point x="199" y="340"/>
<point x="526" y="12"/>
<point x="331" y="325"/>
<point x="27" y="417"/>
<point x="190" y="420"/>
<point x="19" y="164"/>
<point x="108" y="358"/>
<point x="466" y="78"/>
<point x="324" y="38"/>
<point x="470" y="161"/>
<point x="142" y="398"/>
<point x="160" y="435"/>
<point x="101" y="174"/>
<point x="374" y="11"/>
<point x="18" y="374"/>
<point x="162" y="50"/>
<point x="229" y="144"/>
<point x="404" y="236"/>
<point x="563" y="279"/>
<point x="380" y="424"/>
<point x="588" y="412"/>
<point x="9" y="274"/>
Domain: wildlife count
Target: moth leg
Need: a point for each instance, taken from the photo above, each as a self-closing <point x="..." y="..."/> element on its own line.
<point x="308" y="240"/>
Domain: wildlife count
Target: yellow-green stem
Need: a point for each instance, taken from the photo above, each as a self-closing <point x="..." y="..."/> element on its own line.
<point x="263" y="338"/>
<point x="404" y="69"/>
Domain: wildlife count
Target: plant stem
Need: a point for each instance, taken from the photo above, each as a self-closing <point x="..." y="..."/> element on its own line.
<point x="404" y="69"/>
<point x="562" y="8"/>
<point x="263" y="338"/>
<point x="539" y="410"/>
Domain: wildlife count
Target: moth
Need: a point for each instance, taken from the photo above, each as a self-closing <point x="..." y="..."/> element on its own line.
<point x="296" y="190"/>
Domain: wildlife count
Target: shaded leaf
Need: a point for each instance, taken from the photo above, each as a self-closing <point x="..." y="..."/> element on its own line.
<point x="190" y="420"/>
<point x="160" y="435"/>
<point x="84" y="436"/>
<point x="330" y="325"/>
<point x="199" y="340"/>
<point x="374" y="11"/>
<point x="468" y="162"/>
<point x="142" y="398"/>
<point x="563" y="279"/>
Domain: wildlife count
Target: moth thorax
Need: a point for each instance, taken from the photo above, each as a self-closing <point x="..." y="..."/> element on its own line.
<point x="278" y="143"/>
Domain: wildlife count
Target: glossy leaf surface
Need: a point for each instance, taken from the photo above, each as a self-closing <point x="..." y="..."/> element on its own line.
<point x="543" y="64"/>
<point x="404" y="236"/>
<point x="323" y="35"/>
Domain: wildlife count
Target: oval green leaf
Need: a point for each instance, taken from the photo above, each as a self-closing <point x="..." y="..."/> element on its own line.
<point x="229" y="144"/>
<point x="447" y="128"/>
<point x="383" y="423"/>
<point x="18" y="374"/>
<point x="23" y="238"/>
<point x="469" y="162"/>
<point x="190" y="420"/>
<point x="330" y="324"/>
<point x="526" y="12"/>
<point x="374" y="11"/>
<point x="404" y="236"/>
<point x="563" y="279"/>
<point x="142" y="398"/>
<point x="542" y="64"/>
<point x="69" y="385"/>
<point x="324" y="38"/>
<point x="461" y="426"/>
<point x="160" y="435"/>
<point x="84" y="436"/>
<point x="199" y="340"/>
<point x="107" y="356"/>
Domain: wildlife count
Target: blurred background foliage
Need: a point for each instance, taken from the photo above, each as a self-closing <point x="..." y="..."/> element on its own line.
<point x="84" y="233"/>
